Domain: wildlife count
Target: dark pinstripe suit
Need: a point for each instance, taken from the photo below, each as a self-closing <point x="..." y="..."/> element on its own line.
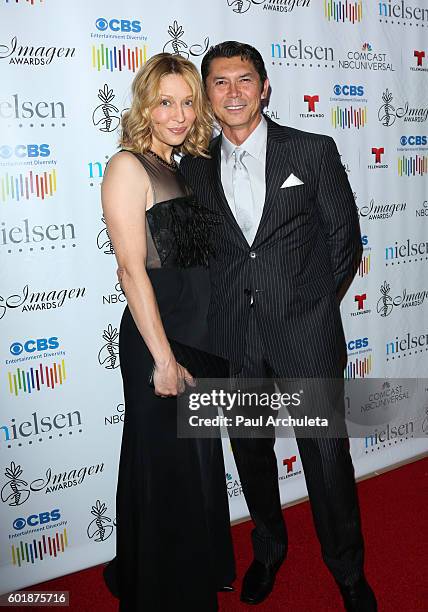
<point x="304" y="255"/>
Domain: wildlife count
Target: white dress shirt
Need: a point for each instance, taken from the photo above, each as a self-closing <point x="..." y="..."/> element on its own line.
<point x="255" y="161"/>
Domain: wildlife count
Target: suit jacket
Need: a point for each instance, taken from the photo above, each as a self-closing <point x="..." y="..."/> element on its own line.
<point x="305" y="254"/>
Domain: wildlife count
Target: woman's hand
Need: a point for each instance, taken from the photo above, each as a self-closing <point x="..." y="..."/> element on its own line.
<point x="171" y="378"/>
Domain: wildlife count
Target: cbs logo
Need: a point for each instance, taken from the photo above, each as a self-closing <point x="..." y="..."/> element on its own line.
<point x="36" y="519"/>
<point x="30" y="150"/>
<point x="348" y="90"/>
<point x="359" y="343"/>
<point x="118" y="25"/>
<point x="413" y="140"/>
<point x="31" y="346"/>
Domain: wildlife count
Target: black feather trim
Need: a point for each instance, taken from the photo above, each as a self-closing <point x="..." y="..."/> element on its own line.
<point x="182" y="232"/>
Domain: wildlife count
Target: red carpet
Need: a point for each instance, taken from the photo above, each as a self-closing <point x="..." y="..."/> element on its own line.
<point x="394" y="511"/>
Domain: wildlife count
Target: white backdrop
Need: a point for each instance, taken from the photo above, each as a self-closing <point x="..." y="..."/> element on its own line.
<point x="357" y="72"/>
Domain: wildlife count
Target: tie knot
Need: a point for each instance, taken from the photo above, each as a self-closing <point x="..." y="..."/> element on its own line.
<point x="239" y="154"/>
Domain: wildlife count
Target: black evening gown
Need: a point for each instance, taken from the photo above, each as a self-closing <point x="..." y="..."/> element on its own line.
<point x="173" y="542"/>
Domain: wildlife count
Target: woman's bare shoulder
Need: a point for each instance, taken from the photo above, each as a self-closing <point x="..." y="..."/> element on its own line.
<point x="124" y="160"/>
<point x="125" y="165"/>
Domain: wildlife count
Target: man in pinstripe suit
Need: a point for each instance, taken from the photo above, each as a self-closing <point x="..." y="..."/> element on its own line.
<point x="285" y="255"/>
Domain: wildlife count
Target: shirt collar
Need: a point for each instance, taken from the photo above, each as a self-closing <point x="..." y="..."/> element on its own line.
<point x="255" y="144"/>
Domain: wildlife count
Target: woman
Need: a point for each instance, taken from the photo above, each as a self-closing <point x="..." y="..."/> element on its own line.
<point x="174" y="548"/>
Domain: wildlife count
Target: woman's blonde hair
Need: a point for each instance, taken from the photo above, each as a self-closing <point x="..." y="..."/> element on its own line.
<point x="136" y="122"/>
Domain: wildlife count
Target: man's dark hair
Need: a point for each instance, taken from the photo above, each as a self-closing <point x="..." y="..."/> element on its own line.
<point x="232" y="48"/>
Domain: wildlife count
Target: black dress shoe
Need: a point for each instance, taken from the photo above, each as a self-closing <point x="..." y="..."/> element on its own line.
<point x="227" y="588"/>
<point x="258" y="581"/>
<point x="358" y="597"/>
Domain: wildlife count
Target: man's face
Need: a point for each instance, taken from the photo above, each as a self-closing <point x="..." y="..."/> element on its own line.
<point x="235" y="92"/>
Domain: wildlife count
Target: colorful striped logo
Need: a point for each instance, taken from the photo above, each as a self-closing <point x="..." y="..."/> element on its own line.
<point x="25" y="186"/>
<point x="413" y="165"/>
<point x="364" y="267"/>
<point x="118" y="58"/>
<point x="343" y="10"/>
<point x="359" y="368"/>
<point x="38" y="549"/>
<point x="349" y="117"/>
<point x="33" y="379"/>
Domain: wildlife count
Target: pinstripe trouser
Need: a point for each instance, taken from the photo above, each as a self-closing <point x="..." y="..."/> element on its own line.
<point x="329" y="475"/>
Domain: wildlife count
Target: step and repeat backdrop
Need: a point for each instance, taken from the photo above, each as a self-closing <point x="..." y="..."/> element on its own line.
<point x="355" y="70"/>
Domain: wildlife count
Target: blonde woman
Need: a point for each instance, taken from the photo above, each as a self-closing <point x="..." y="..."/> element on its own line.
<point x="174" y="549"/>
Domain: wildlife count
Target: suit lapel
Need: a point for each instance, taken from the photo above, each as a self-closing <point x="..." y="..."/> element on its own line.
<point x="277" y="155"/>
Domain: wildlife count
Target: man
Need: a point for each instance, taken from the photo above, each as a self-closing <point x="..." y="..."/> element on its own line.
<point x="285" y="254"/>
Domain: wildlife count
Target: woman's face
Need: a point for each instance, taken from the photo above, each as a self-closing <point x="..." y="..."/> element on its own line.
<point x="173" y="117"/>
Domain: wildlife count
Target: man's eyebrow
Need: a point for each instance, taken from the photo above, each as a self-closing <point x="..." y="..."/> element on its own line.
<point x="240" y="76"/>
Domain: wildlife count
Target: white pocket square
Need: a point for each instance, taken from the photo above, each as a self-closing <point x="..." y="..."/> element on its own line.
<point x="291" y="181"/>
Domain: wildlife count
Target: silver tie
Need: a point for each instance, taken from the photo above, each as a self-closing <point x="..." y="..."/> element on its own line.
<point x="243" y="196"/>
